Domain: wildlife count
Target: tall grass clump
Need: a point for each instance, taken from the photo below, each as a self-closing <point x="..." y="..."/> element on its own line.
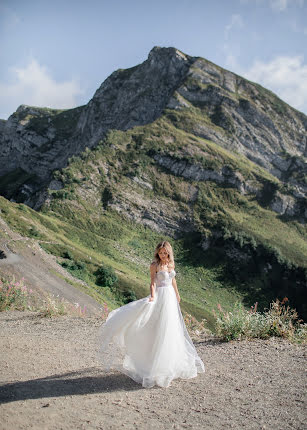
<point x="56" y="307"/>
<point x="105" y="312"/>
<point x="279" y="321"/>
<point x="14" y="295"/>
<point x="196" y="328"/>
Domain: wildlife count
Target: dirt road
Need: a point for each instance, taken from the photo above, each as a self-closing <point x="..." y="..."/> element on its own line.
<point x="50" y="379"/>
<point x="40" y="270"/>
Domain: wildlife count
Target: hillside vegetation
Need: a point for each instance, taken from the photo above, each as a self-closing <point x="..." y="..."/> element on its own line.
<point x="93" y="221"/>
<point x="177" y="149"/>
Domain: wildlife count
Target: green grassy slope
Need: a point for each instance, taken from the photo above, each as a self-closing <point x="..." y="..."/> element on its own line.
<point x="79" y="219"/>
<point x="128" y="249"/>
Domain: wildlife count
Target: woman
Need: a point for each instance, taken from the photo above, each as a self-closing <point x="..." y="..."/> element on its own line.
<point x="147" y="339"/>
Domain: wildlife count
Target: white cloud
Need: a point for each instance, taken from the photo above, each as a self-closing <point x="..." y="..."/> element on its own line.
<point x="284" y="75"/>
<point x="236" y="21"/>
<point x="33" y="85"/>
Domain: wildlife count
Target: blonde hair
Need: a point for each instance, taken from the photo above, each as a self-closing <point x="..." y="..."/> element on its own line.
<point x="169" y="249"/>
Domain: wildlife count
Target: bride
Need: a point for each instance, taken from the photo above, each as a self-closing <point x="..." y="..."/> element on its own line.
<point x="147" y="339"/>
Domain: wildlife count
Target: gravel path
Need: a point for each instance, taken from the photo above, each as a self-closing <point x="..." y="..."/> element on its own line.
<point x="26" y="259"/>
<point x="50" y="379"/>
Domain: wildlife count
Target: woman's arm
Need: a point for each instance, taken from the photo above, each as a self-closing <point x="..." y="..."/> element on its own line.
<point x="174" y="283"/>
<point x="152" y="281"/>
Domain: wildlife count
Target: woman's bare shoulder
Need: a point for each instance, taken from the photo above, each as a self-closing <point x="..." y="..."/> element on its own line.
<point x="153" y="266"/>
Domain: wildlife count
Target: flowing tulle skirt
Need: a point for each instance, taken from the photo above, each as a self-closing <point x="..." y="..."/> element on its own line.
<point x="149" y="342"/>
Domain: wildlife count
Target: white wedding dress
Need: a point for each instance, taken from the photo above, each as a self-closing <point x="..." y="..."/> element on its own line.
<point x="148" y="341"/>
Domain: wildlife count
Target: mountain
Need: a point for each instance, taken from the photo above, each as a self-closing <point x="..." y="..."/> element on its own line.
<point x="182" y="148"/>
<point x="193" y="93"/>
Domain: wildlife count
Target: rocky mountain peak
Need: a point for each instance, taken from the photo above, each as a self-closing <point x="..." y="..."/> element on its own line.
<point x="134" y="96"/>
<point x="160" y="54"/>
<point x="195" y="94"/>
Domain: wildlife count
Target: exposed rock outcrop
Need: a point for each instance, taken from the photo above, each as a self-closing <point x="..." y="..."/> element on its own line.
<point x="197" y="173"/>
<point x="211" y="102"/>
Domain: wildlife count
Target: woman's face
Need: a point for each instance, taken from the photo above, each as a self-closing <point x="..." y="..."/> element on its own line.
<point x="163" y="254"/>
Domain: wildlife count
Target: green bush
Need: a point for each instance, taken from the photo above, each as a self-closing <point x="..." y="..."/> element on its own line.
<point x="64" y="195"/>
<point x="77" y="269"/>
<point x="129" y="296"/>
<point x="74" y="265"/>
<point x="278" y="320"/>
<point x="105" y="276"/>
<point x="68" y="255"/>
<point x="106" y="197"/>
<point x="14" y="295"/>
<point x="34" y="232"/>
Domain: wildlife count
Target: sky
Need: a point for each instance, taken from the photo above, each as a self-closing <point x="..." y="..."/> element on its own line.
<point x="57" y="53"/>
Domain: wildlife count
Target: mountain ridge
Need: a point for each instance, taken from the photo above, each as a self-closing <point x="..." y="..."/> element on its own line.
<point x="33" y="139"/>
<point x="177" y="149"/>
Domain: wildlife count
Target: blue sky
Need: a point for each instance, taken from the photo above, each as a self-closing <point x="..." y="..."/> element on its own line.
<point x="57" y="53"/>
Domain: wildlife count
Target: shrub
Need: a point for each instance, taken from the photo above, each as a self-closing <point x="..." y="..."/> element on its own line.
<point x="129" y="296"/>
<point x="77" y="269"/>
<point x="67" y="254"/>
<point x="55" y="307"/>
<point x="14" y="295"/>
<point x="34" y="232"/>
<point x="278" y="320"/>
<point x="106" y="197"/>
<point x="105" y="276"/>
<point x="74" y="265"/>
<point x="195" y="328"/>
<point x="64" y="194"/>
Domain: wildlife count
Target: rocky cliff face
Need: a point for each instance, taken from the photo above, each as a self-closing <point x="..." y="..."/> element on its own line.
<point x="198" y="96"/>
<point x="41" y="140"/>
<point x="248" y="118"/>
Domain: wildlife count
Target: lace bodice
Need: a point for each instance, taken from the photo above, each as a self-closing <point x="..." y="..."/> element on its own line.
<point x="164" y="278"/>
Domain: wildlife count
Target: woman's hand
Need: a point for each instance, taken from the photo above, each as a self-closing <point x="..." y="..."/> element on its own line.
<point x="151" y="299"/>
<point x="178" y="298"/>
